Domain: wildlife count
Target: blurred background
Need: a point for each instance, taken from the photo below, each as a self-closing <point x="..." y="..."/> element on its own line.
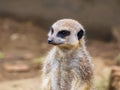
<point x="24" y="25"/>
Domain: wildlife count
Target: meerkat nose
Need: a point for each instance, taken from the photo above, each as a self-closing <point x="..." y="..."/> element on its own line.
<point x="50" y="41"/>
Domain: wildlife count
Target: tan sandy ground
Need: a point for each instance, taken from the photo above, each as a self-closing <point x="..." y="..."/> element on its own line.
<point x="24" y="84"/>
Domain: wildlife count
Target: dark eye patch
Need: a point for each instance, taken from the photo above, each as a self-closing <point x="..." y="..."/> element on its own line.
<point x="52" y="30"/>
<point x="80" y="34"/>
<point x="63" y="33"/>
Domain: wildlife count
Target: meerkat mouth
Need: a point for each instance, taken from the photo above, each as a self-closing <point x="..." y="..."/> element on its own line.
<point x="53" y="43"/>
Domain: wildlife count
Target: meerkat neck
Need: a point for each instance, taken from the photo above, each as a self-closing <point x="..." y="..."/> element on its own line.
<point x="63" y="52"/>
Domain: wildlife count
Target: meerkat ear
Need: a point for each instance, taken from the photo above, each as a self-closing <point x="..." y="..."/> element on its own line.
<point x="80" y="34"/>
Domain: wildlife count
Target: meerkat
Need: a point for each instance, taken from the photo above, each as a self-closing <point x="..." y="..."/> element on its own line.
<point x="68" y="65"/>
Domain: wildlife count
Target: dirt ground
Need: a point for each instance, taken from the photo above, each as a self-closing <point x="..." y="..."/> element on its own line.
<point x="23" y="46"/>
<point x="24" y="84"/>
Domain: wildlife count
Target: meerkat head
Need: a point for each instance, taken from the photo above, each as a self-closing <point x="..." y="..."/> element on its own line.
<point x="66" y="33"/>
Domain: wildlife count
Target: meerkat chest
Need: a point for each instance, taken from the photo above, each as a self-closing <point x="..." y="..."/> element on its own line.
<point x="63" y="65"/>
<point x="62" y="73"/>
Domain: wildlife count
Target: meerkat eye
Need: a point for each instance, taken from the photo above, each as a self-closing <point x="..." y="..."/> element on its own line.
<point x="63" y="33"/>
<point x="80" y="34"/>
<point x="52" y="30"/>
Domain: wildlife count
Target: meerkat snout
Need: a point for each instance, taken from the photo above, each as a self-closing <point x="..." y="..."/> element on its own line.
<point x="50" y="41"/>
<point x="65" y="32"/>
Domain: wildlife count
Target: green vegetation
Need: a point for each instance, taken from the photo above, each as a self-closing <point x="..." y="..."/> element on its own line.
<point x="2" y="55"/>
